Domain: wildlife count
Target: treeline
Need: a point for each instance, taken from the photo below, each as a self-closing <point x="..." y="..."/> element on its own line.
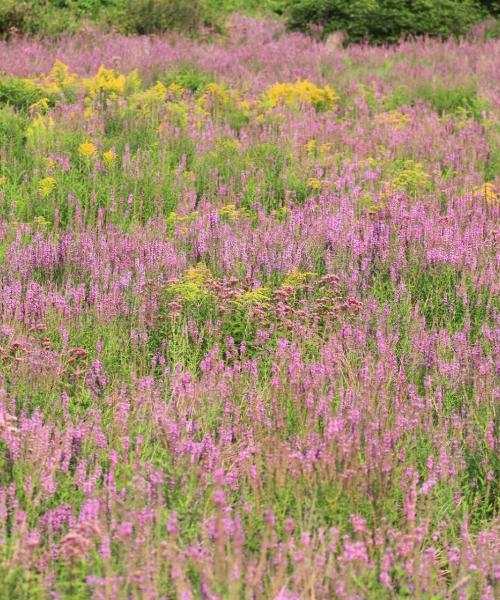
<point x="375" y="21"/>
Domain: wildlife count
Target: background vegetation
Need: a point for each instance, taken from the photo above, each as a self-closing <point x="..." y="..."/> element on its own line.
<point x="382" y="21"/>
<point x="377" y="21"/>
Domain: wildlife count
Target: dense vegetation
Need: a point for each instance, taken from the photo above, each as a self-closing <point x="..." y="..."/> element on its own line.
<point x="382" y="21"/>
<point x="372" y="20"/>
<point x="249" y="317"/>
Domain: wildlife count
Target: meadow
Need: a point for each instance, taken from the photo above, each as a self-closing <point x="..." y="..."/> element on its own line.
<point x="249" y="317"/>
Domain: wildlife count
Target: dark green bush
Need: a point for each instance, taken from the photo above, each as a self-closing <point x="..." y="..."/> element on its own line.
<point x="491" y="6"/>
<point x="14" y="17"/>
<point x="380" y="21"/>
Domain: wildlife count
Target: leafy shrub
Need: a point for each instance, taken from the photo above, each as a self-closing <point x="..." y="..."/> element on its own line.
<point x="462" y="98"/>
<point x="382" y="21"/>
<point x="189" y="77"/>
<point x="491" y="6"/>
<point x="20" y="93"/>
<point x="157" y="16"/>
<point x="45" y="18"/>
<point x="249" y="6"/>
<point x="14" y="17"/>
<point x="52" y="17"/>
<point x="489" y="30"/>
<point x="12" y="127"/>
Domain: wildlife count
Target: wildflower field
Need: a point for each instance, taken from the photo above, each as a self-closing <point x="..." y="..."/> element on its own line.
<point x="249" y="318"/>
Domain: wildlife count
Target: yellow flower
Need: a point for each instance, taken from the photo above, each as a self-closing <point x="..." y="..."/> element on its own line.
<point x="393" y="118"/>
<point x="40" y="106"/>
<point x="296" y="278"/>
<point x="59" y="71"/>
<point x="3" y="180"/>
<point x="311" y="146"/>
<point x="301" y="92"/>
<point x="152" y="97"/>
<point x="40" y="132"/>
<point x="230" y="212"/>
<point x="107" y="83"/>
<point x="46" y="186"/>
<point x="488" y="192"/>
<point x="257" y="297"/>
<point x="87" y="149"/>
<point x="174" y="89"/>
<point x="199" y="274"/>
<point x="217" y="97"/>
<point x="109" y="158"/>
<point x="314" y="183"/>
<point x="245" y="105"/>
<point x="40" y="221"/>
<point x="61" y="80"/>
<point x="50" y="163"/>
<point x="409" y="177"/>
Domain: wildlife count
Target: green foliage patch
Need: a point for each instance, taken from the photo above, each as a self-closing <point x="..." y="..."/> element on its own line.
<point x="385" y="21"/>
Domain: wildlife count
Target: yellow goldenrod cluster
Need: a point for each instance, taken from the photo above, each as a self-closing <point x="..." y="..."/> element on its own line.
<point x="106" y="83"/>
<point x="199" y="274"/>
<point x="246" y="105"/>
<point x="193" y="286"/>
<point x="40" y="106"/>
<point x="314" y="149"/>
<point x="411" y="177"/>
<point x="296" y="278"/>
<point x="50" y="163"/>
<point x="229" y="145"/>
<point x="370" y="162"/>
<point x="177" y="113"/>
<point x="109" y="157"/>
<point x="153" y="96"/>
<point x="255" y="297"/>
<point x="393" y="118"/>
<point x="46" y="186"/>
<point x="311" y="146"/>
<point x="40" y="131"/>
<point x="174" y="90"/>
<point x="174" y="218"/>
<point x="61" y="80"/>
<point x="216" y="96"/>
<point x="231" y="212"/>
<point x="314" y="183"/>
<point x="87" y="150"/>
<point x="301" y="92"/>
<point x="40" y="221"/>
<point x="488" y="192"/>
